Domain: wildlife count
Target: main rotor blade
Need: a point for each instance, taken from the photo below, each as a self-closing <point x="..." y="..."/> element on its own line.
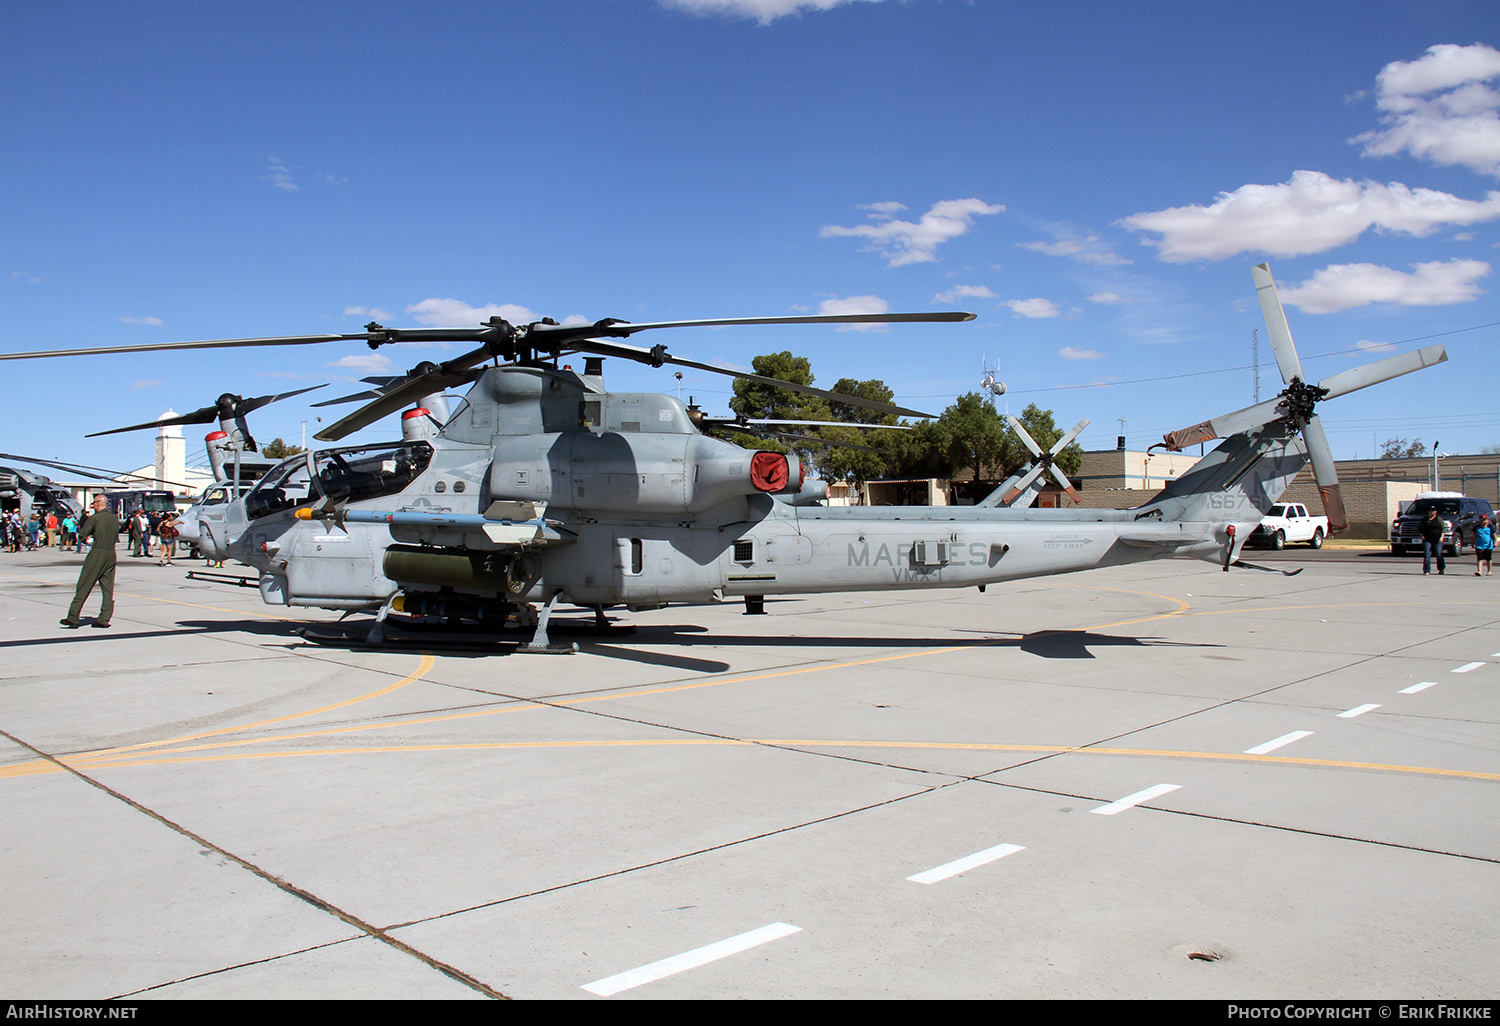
<point x="828" y="442"/>
<point x="1276" y="326"/>
<point x="656" y="357"/>
<point x="559" y="335"/>
<point x="223" y="343"/>
<point x="729" y="422"/>
<point x="1382" y="370"/>
<point x="449" y="375"/>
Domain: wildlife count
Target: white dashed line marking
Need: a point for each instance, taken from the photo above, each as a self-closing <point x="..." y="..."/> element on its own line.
<point x="962" y="865"/>
<point x="689" y="959"/>
<point x="1132" y="800"/>
<point x="1271" y="746"/>
<point x="1358" y="710"/>
<point x="1416" y="687"/>
<point x="1467" y="667"/>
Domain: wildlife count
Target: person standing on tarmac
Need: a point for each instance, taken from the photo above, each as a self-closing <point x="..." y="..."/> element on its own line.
<point x="1432" y="530"/>
<point x="98" y="565"/>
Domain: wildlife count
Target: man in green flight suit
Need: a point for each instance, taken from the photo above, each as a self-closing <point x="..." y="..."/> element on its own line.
<point x="98" y="565"/>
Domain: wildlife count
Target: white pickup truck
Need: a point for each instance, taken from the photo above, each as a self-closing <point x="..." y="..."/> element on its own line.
<point x="1289" y="522"/>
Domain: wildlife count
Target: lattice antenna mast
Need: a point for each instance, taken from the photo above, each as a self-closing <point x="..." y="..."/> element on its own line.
<point x="1255" y="360"/>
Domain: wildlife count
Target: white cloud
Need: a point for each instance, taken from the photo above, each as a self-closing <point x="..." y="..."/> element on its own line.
<point x="855" y="305"/>
<point x="976" y="291"/>
<point x="905" y="242"/>
<point x="1105" y="297"/>
<point x="763" y="11"/>
<point x="1069" y="353"/>
<point x="279" y="175"/>
<point x="1365" y="345"/>
<point x="369" y="363"/>
<point x="373" y="312"/>
<point x="1439" y="108"/>
<point x="1087" y="250"/>
<point x="1342" y="286"/>
<point x="145" y="383"/>
<point x="456" y="313"/>
<point x="25" y="277"/>
<point x="153" y="321"/>
<point x="1033" y="308"/>
<point x="1309" y="214"/>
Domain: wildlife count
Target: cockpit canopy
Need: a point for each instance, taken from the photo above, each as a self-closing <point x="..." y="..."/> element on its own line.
<point x="344" y="475"/>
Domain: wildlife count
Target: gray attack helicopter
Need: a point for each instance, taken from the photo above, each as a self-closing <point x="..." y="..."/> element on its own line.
<point x="542" y="487"/>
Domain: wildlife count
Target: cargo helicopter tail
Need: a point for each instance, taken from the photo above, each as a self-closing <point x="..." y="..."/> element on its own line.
<point x="1265" y="445"/>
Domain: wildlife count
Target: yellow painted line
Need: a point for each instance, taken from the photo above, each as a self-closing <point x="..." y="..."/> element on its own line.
<point x="167" y="758"/>
<point x="421" y="671"/>
<point x="94" y="758"/>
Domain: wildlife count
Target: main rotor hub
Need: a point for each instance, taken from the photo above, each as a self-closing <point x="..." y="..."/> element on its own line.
<point x="1300" y="398"/>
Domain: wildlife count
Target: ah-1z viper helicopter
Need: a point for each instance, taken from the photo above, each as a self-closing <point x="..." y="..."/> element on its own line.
<point x="543" y="487"/>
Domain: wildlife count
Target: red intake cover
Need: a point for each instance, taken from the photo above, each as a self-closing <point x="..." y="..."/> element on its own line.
<point x="769" y="472"/>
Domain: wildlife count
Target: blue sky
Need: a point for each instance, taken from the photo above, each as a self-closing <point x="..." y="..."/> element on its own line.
<point x="1094" y="180"/>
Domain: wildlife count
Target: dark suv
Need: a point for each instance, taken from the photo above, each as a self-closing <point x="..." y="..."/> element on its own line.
<point x="1459" y="512"/>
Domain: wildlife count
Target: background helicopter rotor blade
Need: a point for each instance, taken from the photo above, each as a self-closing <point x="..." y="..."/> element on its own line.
<point x="235" y="407"/>
<point x="83" y="470"/>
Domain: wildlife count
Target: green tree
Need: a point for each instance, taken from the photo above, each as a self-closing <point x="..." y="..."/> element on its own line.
<point x="1398" y="449"/>
<point x="277" y="449"/>
<point x="974" y="436"/>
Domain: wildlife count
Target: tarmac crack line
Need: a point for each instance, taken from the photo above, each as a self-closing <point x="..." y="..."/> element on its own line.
<point x="370" y="930"/>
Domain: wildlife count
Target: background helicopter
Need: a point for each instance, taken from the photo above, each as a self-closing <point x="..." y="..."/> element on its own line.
<point x="544" y="487"/>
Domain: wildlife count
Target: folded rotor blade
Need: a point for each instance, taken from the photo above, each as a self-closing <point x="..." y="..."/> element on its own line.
<point x="1276" y="326"/>
<point x="1225" y="425"/>
<point x="1325" y="472"/>
<point x="1021" y="485"/>
<point x="1067" y="485"/>
<point x="1062" y="443"/>
<point x="1026" y="439"/>
<point x="1382" y="370"/>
